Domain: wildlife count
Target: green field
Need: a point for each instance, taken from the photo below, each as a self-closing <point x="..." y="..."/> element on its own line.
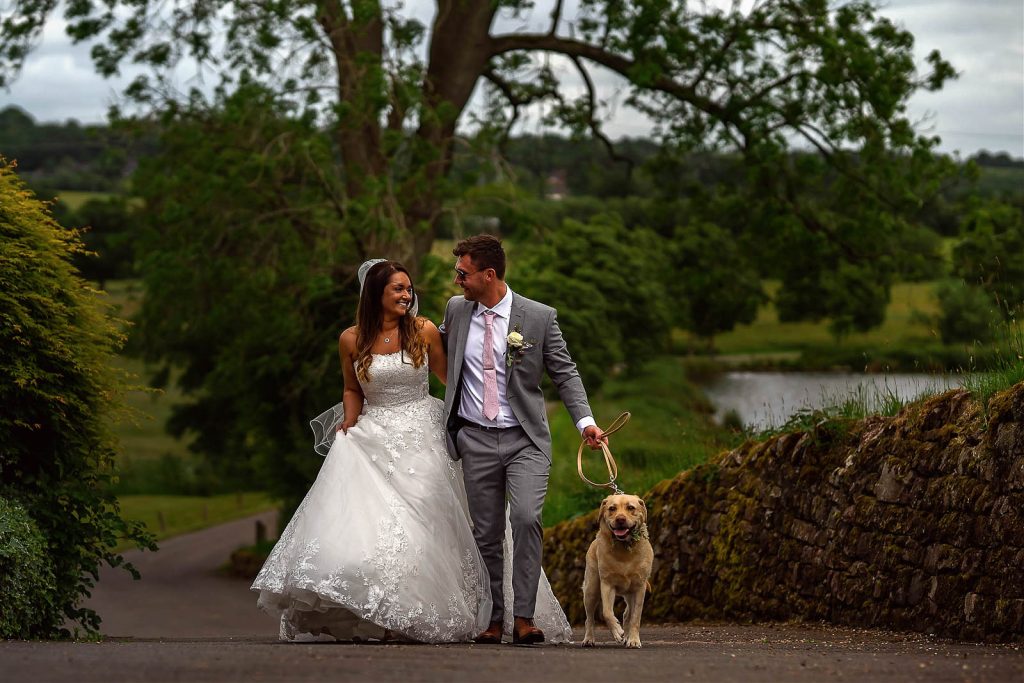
<point x="141" y="433"/>
<point x="75" y="198"/>
<point x="768" y="335"/>
<point x="167" y="516"/>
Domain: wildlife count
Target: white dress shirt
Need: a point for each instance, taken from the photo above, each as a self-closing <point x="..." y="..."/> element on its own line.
<point x="472" y="405"/>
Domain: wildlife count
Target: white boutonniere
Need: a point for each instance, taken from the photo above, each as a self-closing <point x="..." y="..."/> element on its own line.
<point x="516" y="346"/>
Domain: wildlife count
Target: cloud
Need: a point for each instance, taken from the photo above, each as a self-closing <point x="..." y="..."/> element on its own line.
<point x="984" y="107"/>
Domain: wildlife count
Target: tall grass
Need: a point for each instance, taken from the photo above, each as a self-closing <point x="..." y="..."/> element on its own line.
<point x="670" y="431"/>
<point x="855" y="404"/>
<point x="1006" y="370"/>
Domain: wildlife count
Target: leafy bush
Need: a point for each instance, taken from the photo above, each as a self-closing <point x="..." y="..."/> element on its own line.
<point x="58" y="390"/>
<point x="27" y="583"/>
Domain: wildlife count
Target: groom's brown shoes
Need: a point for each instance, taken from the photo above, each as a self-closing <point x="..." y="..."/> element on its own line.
<point x="492" y="636"/>
<point x="525" y="633"/>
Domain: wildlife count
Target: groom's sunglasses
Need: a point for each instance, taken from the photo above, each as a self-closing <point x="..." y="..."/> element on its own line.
<point x="460" y="274"/>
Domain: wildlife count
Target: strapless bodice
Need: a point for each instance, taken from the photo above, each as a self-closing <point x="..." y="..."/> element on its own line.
<point x="394" y="380"/>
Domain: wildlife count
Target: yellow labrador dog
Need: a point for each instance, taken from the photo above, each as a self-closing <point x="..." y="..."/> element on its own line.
<point x="618" y="563"/>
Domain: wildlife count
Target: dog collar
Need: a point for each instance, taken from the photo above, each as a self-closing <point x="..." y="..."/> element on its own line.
<point x="639" y="532"/>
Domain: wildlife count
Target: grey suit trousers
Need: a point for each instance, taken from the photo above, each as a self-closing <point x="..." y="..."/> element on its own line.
<point x="496" y="463"/>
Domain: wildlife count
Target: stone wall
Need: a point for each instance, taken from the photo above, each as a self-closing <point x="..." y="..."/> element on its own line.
<point x="913" y="522"/>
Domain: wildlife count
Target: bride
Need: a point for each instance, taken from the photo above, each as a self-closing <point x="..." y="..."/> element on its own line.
<point x="381" y="545"/>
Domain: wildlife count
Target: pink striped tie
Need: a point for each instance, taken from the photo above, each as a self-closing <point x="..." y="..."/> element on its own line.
<point x="490" y="374"/>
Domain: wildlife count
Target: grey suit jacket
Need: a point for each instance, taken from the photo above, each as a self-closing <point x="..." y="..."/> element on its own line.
<point x="538" y="325"/>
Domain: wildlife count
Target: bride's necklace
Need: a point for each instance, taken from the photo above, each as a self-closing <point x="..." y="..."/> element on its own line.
<point x="387" y="337"/>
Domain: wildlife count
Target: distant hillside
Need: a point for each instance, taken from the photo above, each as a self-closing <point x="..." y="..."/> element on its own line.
<point x="70" y="156"/>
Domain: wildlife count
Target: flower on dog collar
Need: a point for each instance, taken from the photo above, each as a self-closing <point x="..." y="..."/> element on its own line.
<point x="638" y="533"/>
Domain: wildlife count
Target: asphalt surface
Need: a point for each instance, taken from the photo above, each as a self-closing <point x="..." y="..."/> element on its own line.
<point x="186" y="622"/>
<point x="182" y="593"/>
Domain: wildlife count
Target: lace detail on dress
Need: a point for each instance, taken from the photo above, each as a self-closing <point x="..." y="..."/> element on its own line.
<point x="382" y="539"/>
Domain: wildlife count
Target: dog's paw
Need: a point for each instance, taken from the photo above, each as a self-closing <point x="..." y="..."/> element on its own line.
<point x="617" y="633"/>
<point x="588" y="641"/>
<point x="633" y="642"/>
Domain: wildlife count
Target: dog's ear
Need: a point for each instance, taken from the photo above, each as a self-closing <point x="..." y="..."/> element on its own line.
<point x="643" y="506"/>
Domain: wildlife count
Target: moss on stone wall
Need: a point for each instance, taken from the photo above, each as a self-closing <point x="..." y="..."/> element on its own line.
<point x="912" y="522"/>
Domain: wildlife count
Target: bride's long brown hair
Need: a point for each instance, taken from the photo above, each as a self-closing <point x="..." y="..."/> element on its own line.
<point x="370" y="320"/>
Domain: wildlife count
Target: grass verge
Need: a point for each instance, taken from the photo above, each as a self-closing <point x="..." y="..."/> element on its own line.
<point x="167" y="516"/>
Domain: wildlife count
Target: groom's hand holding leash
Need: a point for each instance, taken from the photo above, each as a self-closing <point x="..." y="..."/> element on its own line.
<point x="594" y="436"/>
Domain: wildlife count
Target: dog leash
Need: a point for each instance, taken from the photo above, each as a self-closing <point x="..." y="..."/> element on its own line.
<point x="609" y="461"/>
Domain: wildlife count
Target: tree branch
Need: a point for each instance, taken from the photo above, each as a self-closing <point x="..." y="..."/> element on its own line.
<point x="594" y="124"/>
<point x="617" y="63"/>
<point x="556" y="16"/>
<point x="514" y="100"/>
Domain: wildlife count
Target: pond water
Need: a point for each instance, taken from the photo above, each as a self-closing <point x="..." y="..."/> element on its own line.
<point x="768" y="399"/>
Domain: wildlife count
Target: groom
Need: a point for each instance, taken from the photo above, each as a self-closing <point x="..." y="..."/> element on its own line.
<point x="499" y="345"/>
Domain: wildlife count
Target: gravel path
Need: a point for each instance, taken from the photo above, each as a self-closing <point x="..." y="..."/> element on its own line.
<point x="184" y="622"/>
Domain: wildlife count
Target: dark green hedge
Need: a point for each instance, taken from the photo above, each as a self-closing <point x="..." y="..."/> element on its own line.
<point x="59" y="391"/>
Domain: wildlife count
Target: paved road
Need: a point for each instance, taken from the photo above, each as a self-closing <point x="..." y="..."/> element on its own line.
<point x="182" y="594"/>
<point x="184" y="622"/>
<point x="723" y="653"/>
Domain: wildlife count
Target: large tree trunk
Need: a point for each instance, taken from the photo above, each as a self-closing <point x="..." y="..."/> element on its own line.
<point x="358" y="48"/>
<point x="460" y="49"/>
<point x="404" y="218"/>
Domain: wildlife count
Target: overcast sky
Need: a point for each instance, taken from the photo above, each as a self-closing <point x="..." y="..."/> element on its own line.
<point x="983" y="109"/>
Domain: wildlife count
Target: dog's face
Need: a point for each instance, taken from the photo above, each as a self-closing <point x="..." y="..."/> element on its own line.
<point x="622" y="514"/>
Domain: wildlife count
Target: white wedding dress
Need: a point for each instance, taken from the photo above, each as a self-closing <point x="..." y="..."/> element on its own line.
<point x="383" y="538"/>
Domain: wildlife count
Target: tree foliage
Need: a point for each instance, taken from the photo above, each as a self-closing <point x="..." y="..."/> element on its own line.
<point x="754" y="79"/>
<point x="248" y="284"/>
<point x="58" y="391"/>
<point x="69" y="156"/>
<point x="607" y="282"/>
<point x="967" y="313"/>
<point x="991" y="254"/>
<point x="242" y="197"/>
<point x="713" y="284"/>
<point x="108" y="232"/>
